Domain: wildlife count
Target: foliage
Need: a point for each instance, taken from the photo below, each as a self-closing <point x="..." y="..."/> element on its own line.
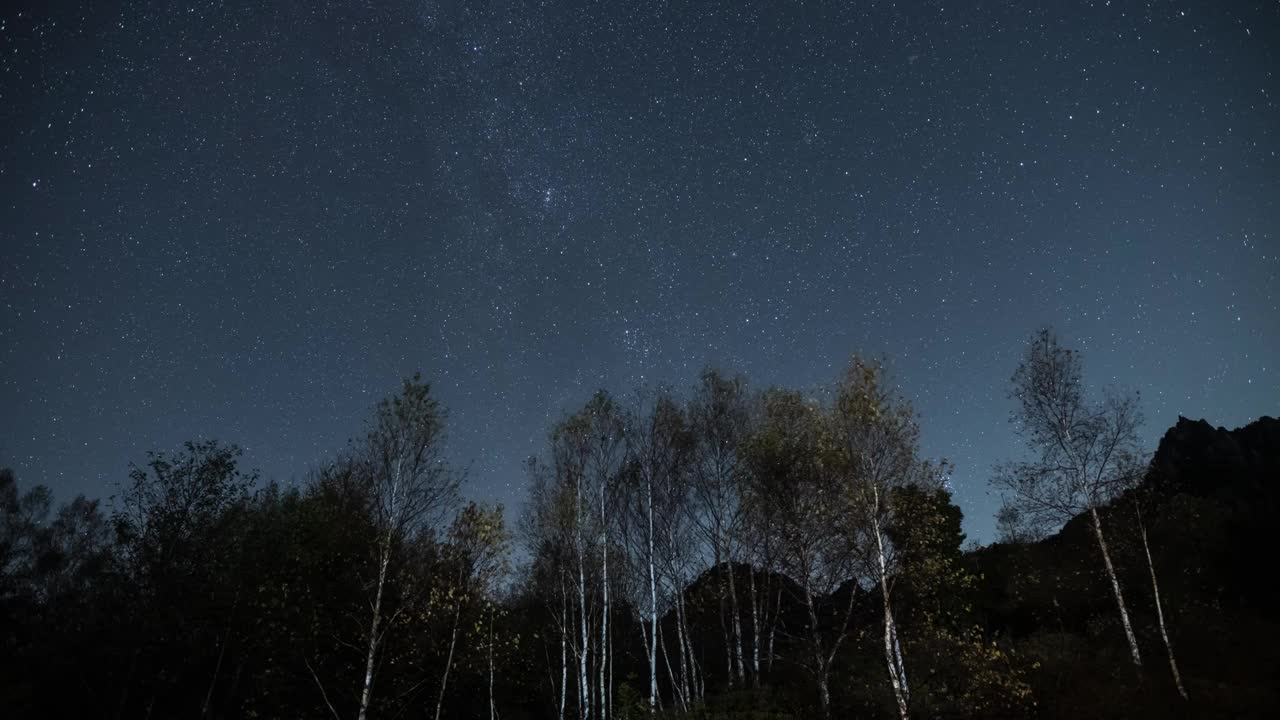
<point x="206" y="593"/>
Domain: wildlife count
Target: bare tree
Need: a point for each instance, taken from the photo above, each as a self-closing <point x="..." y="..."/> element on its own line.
<point x="1012" y="526"/>
<point x="1079" y="445"/>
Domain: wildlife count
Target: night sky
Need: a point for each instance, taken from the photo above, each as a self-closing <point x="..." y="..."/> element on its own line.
<point x="248" y="221"/>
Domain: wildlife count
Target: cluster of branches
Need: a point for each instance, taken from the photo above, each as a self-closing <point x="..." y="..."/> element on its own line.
<point x="766" y="501"/>
<point x="369" y="590"/>
<point x="678" y="548"/>
<point x="1085" y="454"/>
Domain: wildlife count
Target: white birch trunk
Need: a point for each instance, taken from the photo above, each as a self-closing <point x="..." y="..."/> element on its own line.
<point x="564" y="650"/>
<point x="736" y="625"/>
<point x="819" y="657"/>
<point x="564" y="672"/>
<point x="448" y="663"/>
<point x="773" y="626"/>
<point x="755" y="629"/>
<point x="680" y="647"/>
<point x="366" y="691"/>
<point x="1115" y="586"/>
<point x="584" y="687"/>
<point x="653" y="613"/>
<point x="604" y="618"/>
<point x="723" y="601"/>
<point x="1155" y="589"/>
<point x="892" y="650"/>
<point x="893" y="657"/>
<point x="679" y="687"/>
<point x="686" y="649"/>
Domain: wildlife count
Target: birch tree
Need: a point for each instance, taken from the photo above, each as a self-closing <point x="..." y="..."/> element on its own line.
<point x="658" y="448"/>
<point x="608" y="458"/>
<point x="410" y="493"/>
<point x="1078" y="450"/>
<point x="570" y="452"/>
<point x="719" y="417"/>
<point x="1139" y="499"/>
<point x="877" y="439"/>
<point x="547" y="527"/>
<point x="678" y="561"/>
<point x="475" y="556"/>
<point x="792" y="466"/>
<point x="588" y="450"/>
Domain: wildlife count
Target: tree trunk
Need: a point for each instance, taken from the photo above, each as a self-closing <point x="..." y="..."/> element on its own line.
<point x="604" y="618"/>
<point x="755" y="628"/>
<point x="893" y="657"/>
<point x="1115" y="586"/>
<point x="1155" y="589"/>
<point x="217" y="667"/>
<point x="697" y="686"/>
<point x="819" y="657"/>
<point x="824" y="695"/>
<point x="584" y="687"/>
<point x="366" y="692"/>
<point x="222" y="651"/>
<point x="641" y="622"/>
<point x="685" y="677"/>
<point x="722" y="600"/>
<point x="773" y="626"/>
<point x="564" y="654"/>
<point x="892" y="650"/>
<point x="737" y="621"/>
<point x="493" y="707"/>
<point x="609" y="685"/>
<point x="448" y="662"/>
<point x="653" y="613"/>
<point x="679" y="687"/>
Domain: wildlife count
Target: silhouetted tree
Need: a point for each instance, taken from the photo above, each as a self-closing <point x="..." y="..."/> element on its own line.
<point x="719" y="417"/>
<point x="876" y="440"/>
<point x="1080" y="447"/>
<point x="411" y="489"/>
<point x="795" y="471"/>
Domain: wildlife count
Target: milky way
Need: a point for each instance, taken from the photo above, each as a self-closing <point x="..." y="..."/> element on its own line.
<point x="248" y="221"/>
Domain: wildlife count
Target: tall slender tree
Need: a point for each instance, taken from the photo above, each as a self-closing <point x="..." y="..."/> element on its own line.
<point x="719" y="416"/>
<point x="475" y="557"/>
<point x="411" y="491"/>
<point x="1078" y="450"/>
<point x="548" y="531"/>
<point x="794" y="466"/>
<point x="1141" y="498"/>
<point x="658" y="447"/>
<point x="588" y="450"/>
<point x="877" y="440"/>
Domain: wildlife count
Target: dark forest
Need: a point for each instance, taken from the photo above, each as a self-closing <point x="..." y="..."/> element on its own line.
<point x="720" y="552"/>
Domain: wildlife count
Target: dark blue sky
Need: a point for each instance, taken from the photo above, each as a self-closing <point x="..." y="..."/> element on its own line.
<point x="249" y="220"/>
